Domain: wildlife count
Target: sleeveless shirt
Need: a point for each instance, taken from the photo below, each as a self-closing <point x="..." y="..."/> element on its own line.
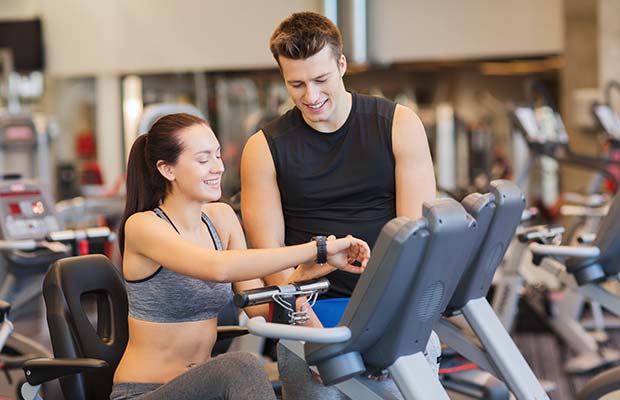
<point x="338" y="183"/>
<point x="166" y="296"/>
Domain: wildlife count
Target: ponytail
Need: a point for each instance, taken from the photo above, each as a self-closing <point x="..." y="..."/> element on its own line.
<point x="138" y="182"/>
<point x="146" y="187"/>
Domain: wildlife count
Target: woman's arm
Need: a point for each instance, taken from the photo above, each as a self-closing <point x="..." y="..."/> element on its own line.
<point x="225" y="216"/>
<point x="152" y="237"/>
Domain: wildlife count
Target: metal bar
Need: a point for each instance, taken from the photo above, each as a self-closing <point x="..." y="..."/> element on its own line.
<point x="502" y="350"/>
<point x="463" y="345"/>
<point x="416" y="380"/>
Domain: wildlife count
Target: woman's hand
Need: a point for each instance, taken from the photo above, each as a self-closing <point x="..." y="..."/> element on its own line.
<point x="342" y="253"/>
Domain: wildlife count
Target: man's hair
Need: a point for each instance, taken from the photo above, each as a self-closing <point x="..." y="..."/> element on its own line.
<point x="304" y="34"/>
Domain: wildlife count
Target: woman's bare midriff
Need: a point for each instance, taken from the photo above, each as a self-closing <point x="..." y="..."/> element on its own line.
<point x="159" y="352"/>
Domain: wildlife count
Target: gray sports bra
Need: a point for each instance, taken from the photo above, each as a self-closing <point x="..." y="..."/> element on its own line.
<point x="166" y="296"/>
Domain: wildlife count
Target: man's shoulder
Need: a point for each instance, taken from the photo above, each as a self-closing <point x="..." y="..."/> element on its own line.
<point x="282" y="125"/>
<point x="375" y="105"/>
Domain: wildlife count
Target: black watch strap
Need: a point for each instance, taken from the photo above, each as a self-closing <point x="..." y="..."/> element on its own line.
<point x="321" y="249"/>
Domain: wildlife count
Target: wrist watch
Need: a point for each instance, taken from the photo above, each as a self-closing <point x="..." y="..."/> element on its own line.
<point x="321" y="249"/>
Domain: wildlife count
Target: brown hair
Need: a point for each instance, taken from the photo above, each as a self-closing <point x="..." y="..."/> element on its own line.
<point x="146" y="187"/>
<point x="304" y="34"/>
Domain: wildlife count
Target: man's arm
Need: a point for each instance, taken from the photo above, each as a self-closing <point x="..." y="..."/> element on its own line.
<point x="261" y="209"/>
<point x="415" y="176"/>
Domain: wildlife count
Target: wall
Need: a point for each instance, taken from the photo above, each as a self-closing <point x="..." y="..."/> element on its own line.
<point x="609" y="40"/>
<point x="449" y="29"/>
<point x="580" y="71"/>
<point x="90" y="37"/>
<point x="19" y="9"/>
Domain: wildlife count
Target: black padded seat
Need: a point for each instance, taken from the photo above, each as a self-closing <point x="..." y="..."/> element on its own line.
<point x="71" y="288"/>
<point x="68" y="282"/>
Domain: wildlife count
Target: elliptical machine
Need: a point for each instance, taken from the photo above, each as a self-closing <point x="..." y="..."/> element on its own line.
<point x="26" y="213"/>
<point x="534" y="127"/>
<point x="31" y="239"/>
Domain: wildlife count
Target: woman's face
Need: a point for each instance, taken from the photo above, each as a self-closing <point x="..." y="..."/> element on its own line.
<point x="198" y="171"/>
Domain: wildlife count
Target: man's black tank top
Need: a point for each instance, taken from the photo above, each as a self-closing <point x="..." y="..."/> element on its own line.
<point x="336" y="183"/>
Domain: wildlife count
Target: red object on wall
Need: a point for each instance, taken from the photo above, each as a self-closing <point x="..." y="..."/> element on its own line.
<point x="85" y="144"/>
<point x="91" y="173"/>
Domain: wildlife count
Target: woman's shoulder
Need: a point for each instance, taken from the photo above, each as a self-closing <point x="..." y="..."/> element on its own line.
<point x="145" y="227"/>
<point x="224" y="219"/>
<point x="141" y="220"/>
<point x="218" y="211"/>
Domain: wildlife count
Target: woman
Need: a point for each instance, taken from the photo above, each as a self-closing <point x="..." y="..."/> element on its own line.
<point x="177" y="277"/>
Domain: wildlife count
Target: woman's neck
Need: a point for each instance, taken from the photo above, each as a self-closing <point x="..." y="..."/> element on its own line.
<point x="185" y="214"/>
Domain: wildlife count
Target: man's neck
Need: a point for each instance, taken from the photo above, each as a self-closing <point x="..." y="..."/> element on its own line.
<point x="337" y="119"/>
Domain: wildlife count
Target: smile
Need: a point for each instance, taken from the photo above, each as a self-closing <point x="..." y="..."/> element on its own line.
<point x="316" y="106"/>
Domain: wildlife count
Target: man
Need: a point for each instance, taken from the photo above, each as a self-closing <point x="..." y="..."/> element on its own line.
<point x="338" y="162"/>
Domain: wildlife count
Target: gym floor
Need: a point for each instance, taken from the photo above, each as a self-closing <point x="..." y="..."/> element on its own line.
<point x="545" y="353"/>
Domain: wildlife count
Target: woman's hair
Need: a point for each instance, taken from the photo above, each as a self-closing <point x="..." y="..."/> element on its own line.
<point x="146" y="187"/>
<point x="304" y="34"/>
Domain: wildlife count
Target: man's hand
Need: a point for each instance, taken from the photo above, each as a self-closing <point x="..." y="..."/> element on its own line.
<point x="342" y="253"/>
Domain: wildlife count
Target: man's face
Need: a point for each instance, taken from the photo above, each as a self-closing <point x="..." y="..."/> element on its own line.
<point x="315" y="85"/>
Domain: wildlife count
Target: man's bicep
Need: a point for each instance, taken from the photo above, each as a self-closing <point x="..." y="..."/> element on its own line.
<point x="260" y="197"/>
<point x="415" y="184"/>
<point x="414" y="174"/>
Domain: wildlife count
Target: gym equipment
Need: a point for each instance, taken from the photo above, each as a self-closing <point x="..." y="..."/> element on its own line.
<point x="81" y="212"/>
<point x="498" y="214"/>
<point x="608" y="120"/>
<point x="360" y="342"/>
<point x="284" y="296"/>
<point x="604" y="113"/>
<point x="26" y="213"/>
<point x="604" y="386"/>
<point x="563" y="312"/>
<point x="553" y="145"/>
<point x="16" y="348"/>
<point x="582" y="268"/>
<point x="608" y="117"/>
<point x="32" y="239"/>
<point x="153" y="112"/>
<point x="24" y="151"/>
<point x="407" y="272"/>
<point x="393" y="308"/>
<point x="566" y="308"/>
<point x="78" y="347"/>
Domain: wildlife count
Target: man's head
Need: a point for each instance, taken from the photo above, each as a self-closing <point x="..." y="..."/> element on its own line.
<point x="303" y="35"/>
<point x="308" y="48"/>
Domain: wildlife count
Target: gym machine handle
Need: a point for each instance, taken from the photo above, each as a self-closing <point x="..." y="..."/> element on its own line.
<point x="41" y="370"/>
<point x="539" y="233"/>
<point x="543" y="250"/>
<point x="77" y="234"/>
<point x="264" y="295"/>
<point x="260" y="327"/>
<point x="529" y="213"/>
<point x="586" y="238"/>
<point x="27" y="244"/>
<point x="584" y="211"/>
<point x="591" y="200"/>
<point x="57" y="236"/>
<point x="5" y="307"/>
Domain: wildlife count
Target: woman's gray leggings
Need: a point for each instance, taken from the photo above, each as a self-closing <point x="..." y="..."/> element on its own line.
<point x="228" y="376"/>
